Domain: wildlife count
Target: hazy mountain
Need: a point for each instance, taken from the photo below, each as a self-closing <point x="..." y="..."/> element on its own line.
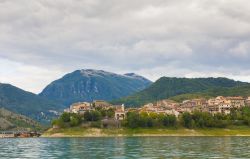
<point x="167" y="87"/>
<point x="13" y="121"/>
<point x="88" y="85"/>
<point x="26" y="103"/>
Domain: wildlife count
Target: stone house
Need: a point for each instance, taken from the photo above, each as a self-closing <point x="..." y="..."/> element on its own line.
<point x="224" y="107"/>
<point x="247" y="102"/>
<point x="219" y="104"/>
<point x="120" y="113"/>
<point x="166" y="103"/>
<point x="213" y="109"/>
<point x="236" y="102"/>
<point x="80" y="107"/>
<point x="101" y="104"/>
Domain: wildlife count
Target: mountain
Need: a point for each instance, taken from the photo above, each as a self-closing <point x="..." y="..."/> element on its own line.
<point x="167" y="87"/>
<point x="89" y="85"/>
<point x="26" y="103"/>
<point x="13" y="121"/>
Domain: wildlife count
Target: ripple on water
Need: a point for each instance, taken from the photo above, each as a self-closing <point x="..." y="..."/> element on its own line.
<point x="134" y="147"/>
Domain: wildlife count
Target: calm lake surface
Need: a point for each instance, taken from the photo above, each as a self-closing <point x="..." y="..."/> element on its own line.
<point x="127" y="147"/>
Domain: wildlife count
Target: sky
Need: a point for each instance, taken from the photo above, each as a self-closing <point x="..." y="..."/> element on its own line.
<point x="42" y="40"/>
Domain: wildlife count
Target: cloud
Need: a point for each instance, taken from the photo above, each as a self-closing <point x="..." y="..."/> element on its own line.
<point x="242" y="50"/>
<point x="31" y="78"/>
<point x="152" y="37"/>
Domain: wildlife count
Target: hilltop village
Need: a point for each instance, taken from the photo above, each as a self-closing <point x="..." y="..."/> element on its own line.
<point x="213" y="106"/>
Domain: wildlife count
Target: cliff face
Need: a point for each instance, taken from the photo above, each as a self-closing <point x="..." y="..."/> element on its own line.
<point x="89" y="85"/>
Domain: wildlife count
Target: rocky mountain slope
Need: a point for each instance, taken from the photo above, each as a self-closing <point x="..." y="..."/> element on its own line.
<point x="89" y="85"/>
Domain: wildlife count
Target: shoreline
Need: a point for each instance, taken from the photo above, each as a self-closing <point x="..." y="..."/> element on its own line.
<point x="99" y="133"/>
<point x="146" y="135"/>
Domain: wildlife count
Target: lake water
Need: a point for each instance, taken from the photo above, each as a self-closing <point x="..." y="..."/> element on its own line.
<point x="127" y="147"/>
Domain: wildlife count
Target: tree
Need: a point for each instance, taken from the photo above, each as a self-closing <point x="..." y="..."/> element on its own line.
<point x="87" y="116"/>
<point x="111" y="113"/>
<point x="199" y="119"/>
<point x="172" y="120"/>
<point x="65" y="117"/>
<point x="107" y="113"/>
<point x="145" y="120"/>
<point x="133" y="120"/>
<point x="74" y="121"/>
<point x="246" y="115"/>
<point x="187" y="120"/>
<point x="58" y="122"/>
<point x="96" y="115"/>
<point x="169" y="120"/>
<point x="92" y="115"/>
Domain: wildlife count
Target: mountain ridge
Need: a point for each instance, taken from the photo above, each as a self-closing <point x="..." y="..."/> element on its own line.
<point x="90" y="84"/>
<point x="243" y="91"/>
<point x="26" y="103"/>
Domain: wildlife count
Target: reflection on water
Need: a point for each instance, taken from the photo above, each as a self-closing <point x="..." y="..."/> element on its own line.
<point x="133" y="147"/>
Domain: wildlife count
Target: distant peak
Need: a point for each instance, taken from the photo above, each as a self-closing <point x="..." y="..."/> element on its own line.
<point x="131" y="74"/>
<point x="136" y="76"/>
<point x="102" y="73"/>
<point x="93" y="72"/>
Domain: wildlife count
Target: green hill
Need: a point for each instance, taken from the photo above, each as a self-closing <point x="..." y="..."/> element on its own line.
<point x="13" y="121"/>
<point x="167" y="87"/>
<point x="26" y="103"/>
<point x="235" y="91"/>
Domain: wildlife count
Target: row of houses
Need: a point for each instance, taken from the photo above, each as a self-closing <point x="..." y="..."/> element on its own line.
<point x="219" y="104"/>
<point x="82" y="107"/>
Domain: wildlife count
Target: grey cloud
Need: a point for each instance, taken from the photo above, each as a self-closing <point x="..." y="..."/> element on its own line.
<point x="141" y="36"/>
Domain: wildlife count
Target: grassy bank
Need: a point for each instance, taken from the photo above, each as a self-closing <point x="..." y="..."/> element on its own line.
<point x="94" y="132"/>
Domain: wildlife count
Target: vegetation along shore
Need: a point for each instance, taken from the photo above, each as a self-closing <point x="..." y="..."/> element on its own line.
<point x="141" y="132"/>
